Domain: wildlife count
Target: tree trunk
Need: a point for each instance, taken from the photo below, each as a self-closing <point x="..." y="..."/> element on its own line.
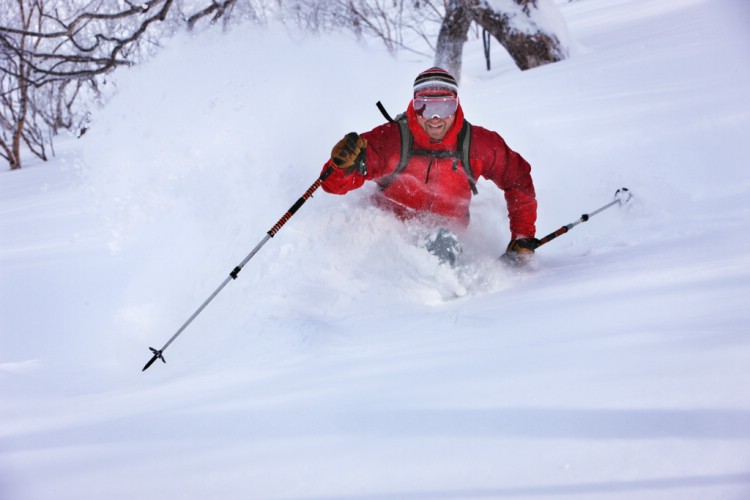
<point x="23" y="109"/>
<point x="529" y="48"/>
<point x="519" y="28"/>
<point x="15" y="159"/>
<point x="23" y="100"/>
<point x="451" y="38"/>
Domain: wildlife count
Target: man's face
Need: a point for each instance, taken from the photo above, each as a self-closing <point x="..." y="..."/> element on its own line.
<point x="436" y="127"/>
<point x="436" y="115"/>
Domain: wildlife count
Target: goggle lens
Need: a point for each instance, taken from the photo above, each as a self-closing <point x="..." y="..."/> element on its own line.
<point x="440" y="107"/>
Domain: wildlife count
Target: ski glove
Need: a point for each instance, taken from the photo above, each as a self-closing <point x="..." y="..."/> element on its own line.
<point x="349" y="154"/>
<point x="519" y="251"/>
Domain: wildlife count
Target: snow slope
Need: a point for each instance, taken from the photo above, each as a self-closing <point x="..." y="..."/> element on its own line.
<point x="345" y="362"/>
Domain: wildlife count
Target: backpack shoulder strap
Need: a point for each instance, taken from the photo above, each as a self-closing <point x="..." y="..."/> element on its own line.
<point x="464" y="142"/>
<point x="407" y="141"/>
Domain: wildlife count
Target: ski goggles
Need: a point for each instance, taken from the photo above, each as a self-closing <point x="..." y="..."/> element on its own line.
<point x="432" y="107"/>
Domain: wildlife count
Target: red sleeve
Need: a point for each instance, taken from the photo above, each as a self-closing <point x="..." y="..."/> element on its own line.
<point x="511" y="173"/>
<point x="382" y="143"/>
<point x="340" y="183"/>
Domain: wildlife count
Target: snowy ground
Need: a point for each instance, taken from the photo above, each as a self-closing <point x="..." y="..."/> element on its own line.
<point x="345" y="363"/>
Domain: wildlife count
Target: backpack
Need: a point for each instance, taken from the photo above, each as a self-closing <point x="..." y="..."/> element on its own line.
<point x="407" y="142"/>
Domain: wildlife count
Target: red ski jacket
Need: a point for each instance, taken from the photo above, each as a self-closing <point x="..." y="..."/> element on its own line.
<point x="434" y="186"/>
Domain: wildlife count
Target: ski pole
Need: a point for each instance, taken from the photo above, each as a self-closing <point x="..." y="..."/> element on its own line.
<point x="622" y="196"/>
<point x="158" y="354"/>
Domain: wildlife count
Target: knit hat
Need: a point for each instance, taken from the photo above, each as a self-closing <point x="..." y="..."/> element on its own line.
<point x="435" y="82"/>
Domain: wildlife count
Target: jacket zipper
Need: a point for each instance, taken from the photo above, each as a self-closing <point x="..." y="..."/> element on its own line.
<point x="429" y="166"/>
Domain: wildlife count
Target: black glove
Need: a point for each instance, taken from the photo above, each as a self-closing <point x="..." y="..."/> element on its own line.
<point x="519" y="251"/>
<point x="349" y="154"/>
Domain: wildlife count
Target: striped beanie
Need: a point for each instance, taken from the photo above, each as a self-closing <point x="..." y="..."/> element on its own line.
<point x="435" y="82"/>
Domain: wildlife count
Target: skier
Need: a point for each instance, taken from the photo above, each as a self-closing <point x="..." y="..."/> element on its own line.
<point x="419" y="162"/>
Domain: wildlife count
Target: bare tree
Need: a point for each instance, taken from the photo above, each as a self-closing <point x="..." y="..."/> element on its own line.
<point x="52" y="52"/>
<point x="397" y="23"/>
<point x="15" y="126"/>
<point x="233" y="11"/>
<point x="50" y="56"/>
<point x="525" y="33"/>
<point x="521" y="28"/>
<point x="90" y="43"/>
<point x="452" y="36"/>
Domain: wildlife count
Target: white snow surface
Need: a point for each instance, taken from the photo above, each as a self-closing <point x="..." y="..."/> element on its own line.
<point x="345" y="362"/>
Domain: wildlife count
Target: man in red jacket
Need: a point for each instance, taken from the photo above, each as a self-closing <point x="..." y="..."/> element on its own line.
<point x="433" y="180"/>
